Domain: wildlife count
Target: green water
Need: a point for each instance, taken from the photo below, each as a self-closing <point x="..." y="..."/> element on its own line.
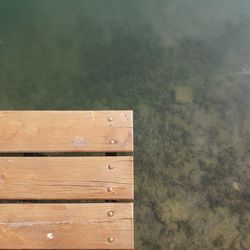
<point x="184" y="68"/>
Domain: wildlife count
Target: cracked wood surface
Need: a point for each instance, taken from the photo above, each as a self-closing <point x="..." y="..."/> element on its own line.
<point x="70" y="178"/>
<point x="66" y="131"/>
<point x="66" y="226"/>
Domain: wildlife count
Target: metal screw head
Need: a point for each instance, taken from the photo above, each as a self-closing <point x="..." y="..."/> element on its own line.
<point x="110" y="239"/>
<point x="109" y="189"/>
<point x="110" y="119"/>
<point x="111" y="213"/>
<point x="110" y="166"/>
<point x="112" y="141"/>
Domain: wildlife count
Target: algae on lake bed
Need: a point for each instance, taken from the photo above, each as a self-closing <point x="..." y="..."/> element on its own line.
<point x="174" y="64"/>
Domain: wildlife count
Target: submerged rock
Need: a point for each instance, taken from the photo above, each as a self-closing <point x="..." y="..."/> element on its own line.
<point x="173" y="211"/>
<point x="183" y="94"/>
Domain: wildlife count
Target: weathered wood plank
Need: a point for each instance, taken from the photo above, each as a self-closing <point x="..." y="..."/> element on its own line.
<point x="70" y="178"/>
<point x="66" y="131"/>
<point x="66" y="226"/>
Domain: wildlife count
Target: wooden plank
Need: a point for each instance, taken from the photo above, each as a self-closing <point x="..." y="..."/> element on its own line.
<point x="70" y="178"/>
<point x="66" y="131"/>
<point x="66" y="226"/>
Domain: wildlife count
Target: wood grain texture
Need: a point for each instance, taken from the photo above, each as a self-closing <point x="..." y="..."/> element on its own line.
<point x="66" y="131"/>
<point x="66" y="226"/>
<point x="70" y="178"/>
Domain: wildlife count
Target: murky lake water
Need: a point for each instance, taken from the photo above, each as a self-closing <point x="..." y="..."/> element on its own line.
<point x="183" y="67"/>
